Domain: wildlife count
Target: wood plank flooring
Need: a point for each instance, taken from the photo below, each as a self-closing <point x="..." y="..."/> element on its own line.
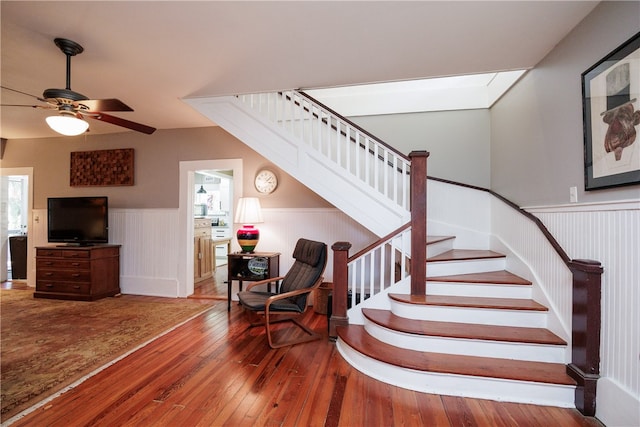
<point x="214" y="370"/>
<point x="387" y="319"/>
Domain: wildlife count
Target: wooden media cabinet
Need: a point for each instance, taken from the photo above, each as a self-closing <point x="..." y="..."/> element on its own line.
<point x="83" y="273"/>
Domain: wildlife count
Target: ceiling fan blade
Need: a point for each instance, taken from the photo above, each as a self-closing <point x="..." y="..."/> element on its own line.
<point x="42" y="107"/>
<point x="122" y="122"/>
<point x="23" y="93"/>
<point x="105" y="105"/>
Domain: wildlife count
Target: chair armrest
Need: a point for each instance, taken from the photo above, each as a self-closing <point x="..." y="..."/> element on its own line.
<point x="264" y="282"/>
<point x="290" y="294"/>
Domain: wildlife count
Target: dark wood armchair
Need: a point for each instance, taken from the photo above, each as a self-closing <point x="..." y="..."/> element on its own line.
<point x="290" y="301"/>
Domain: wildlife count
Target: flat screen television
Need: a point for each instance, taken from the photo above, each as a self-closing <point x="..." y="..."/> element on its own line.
<point x="78" y="220"/>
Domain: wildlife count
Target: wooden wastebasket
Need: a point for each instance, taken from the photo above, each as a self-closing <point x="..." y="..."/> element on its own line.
<point x="321" y="298"/>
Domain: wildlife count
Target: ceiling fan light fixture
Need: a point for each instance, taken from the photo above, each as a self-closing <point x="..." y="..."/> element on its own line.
<point x="67" y="125"/>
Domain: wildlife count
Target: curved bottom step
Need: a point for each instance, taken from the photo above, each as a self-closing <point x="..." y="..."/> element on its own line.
<point x="466" y="376"/>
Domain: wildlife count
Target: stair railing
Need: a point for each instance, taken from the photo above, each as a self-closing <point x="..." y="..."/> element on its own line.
<point x="350" y="149"/>
<point x="368" y="272"/>
<point x="585" y="308"/>
<point x="387" y="261"/>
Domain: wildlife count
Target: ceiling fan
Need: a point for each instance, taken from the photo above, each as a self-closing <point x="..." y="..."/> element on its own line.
<point x="73" y="107"/>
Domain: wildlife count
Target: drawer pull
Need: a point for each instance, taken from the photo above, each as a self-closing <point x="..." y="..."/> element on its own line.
<point x="48" y="263"/>
<point x="75" y="264"/>
<point x="48" y="274"/>
<point x="76" y="287"/>
<point x="49" y="285"/>
<point x="75" y="275"/>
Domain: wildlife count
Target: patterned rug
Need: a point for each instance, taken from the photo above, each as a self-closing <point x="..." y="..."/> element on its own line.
<point x="45" y="345"/>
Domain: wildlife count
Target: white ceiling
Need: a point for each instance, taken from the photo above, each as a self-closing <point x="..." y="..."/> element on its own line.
<point x="153" y="54"/>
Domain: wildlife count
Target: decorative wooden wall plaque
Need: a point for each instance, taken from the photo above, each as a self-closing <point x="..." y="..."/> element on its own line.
<point x="102" y="168"/>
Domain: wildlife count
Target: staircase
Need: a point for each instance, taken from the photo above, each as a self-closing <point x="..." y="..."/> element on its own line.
<point x="495" y="322"/>
<point x="477" y="333"/>
<point x="322" y="150"/>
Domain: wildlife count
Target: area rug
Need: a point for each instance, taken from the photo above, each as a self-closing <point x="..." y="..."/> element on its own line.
<point x="48" y="344"/>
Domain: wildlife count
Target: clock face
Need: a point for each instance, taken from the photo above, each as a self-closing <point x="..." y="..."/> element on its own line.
<point x="266" y="181"/>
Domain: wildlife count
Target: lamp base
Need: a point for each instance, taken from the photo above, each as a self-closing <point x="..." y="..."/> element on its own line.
<point x="248" y="237"/>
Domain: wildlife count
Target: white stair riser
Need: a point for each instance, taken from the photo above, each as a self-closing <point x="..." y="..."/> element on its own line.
<point x="468" y="347"/>
<point x="460" y="385"/>
<point x="482" y="316"/>
<point x="449" y="268"/>
<point x="434" y="249"/>
<point x="479" y="290"/>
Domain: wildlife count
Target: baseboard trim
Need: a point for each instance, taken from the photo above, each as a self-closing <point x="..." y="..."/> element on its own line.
<point x="616" y="406"/>
<point x="149" y="286"/>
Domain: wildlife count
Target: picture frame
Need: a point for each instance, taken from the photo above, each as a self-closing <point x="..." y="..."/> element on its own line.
<point x="611" y="118"/>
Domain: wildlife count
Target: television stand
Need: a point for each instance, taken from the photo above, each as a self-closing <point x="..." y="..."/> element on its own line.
<point x="82" y="273"/>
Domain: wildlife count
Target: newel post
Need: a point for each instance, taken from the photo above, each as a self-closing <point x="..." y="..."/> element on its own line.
<point x="418" y="222"/>
<point x="585" y="335"/>
<point x="340" y="287"/>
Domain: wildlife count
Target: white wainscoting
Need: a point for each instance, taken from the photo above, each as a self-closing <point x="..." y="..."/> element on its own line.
<point x="283" y="227"/>
<point x="149" y="238"/>
<point x="149" y="252"/>
<point x="609" y="233"/>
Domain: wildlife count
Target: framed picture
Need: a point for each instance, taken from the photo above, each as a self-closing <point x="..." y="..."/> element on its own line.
<point x="611" y="108"/>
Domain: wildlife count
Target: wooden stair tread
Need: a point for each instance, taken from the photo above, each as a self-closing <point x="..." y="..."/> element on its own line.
<point x="501" y="277"/>
<point x="437" y="239"/>
<point x="465" y="254"/>
<point x="391" y="321"/>
<point x="475" y="302"/>
<point x="541" y="372"/>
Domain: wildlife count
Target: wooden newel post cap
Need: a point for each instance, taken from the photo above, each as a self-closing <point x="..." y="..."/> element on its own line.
<point x="341" y="246"/>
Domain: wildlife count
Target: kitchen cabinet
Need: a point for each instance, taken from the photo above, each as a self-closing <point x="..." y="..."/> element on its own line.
<point x="203" y="250"/>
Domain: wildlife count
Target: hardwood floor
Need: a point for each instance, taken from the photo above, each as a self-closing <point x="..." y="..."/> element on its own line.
<point x="214" y="287"/>
<point x="215" y="370"/>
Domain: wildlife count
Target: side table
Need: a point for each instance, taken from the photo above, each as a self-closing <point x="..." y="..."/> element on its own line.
<point x="251" y="267"/>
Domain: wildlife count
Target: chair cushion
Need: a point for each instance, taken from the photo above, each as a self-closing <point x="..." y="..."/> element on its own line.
<point x="310" y="262"/>
<point x="309" y="252"/>
<point x="257" y="301"/>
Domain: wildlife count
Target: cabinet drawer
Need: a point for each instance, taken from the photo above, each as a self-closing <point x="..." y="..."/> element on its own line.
<point x="56" y="253"/>
<point x="62" y="287"/>
<point x="48" y="264"/>
<point x="66" y="275"/>
<point x="61" y="253"/>
<point x="202" y="232"/>
<point x="221" y="233"/>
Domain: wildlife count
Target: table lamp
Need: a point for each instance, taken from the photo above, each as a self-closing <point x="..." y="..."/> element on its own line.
<point x="248" y="213"/>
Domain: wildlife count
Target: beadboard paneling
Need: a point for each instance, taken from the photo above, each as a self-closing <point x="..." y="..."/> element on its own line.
<point x="149" y="252"/>
<point x="609" y="234"/>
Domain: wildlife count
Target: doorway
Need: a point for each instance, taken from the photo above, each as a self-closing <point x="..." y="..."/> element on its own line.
<point x="16" y="206"/>
<point x="213" y="197"/>
<point x="187" y="211"/>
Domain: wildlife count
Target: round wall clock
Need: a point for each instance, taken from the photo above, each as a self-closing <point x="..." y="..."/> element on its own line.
<point x="266" y="181"/>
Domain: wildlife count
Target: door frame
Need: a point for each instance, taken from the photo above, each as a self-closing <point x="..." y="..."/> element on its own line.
<point x="4" y="235"/>
<point x="185" y="213"/>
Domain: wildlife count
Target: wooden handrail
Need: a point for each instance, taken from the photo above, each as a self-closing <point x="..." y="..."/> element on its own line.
<point x="554" y="243"/>
<point x="353" y="125"/>
<point x="379" y="242"/>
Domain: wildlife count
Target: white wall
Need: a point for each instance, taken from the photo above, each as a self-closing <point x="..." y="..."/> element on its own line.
<point x="458" y="141"/>
<point x="537" y="140"/>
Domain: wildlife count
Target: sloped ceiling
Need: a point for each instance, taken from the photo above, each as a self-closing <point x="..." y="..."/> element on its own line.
<point x="153" y="54"/>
